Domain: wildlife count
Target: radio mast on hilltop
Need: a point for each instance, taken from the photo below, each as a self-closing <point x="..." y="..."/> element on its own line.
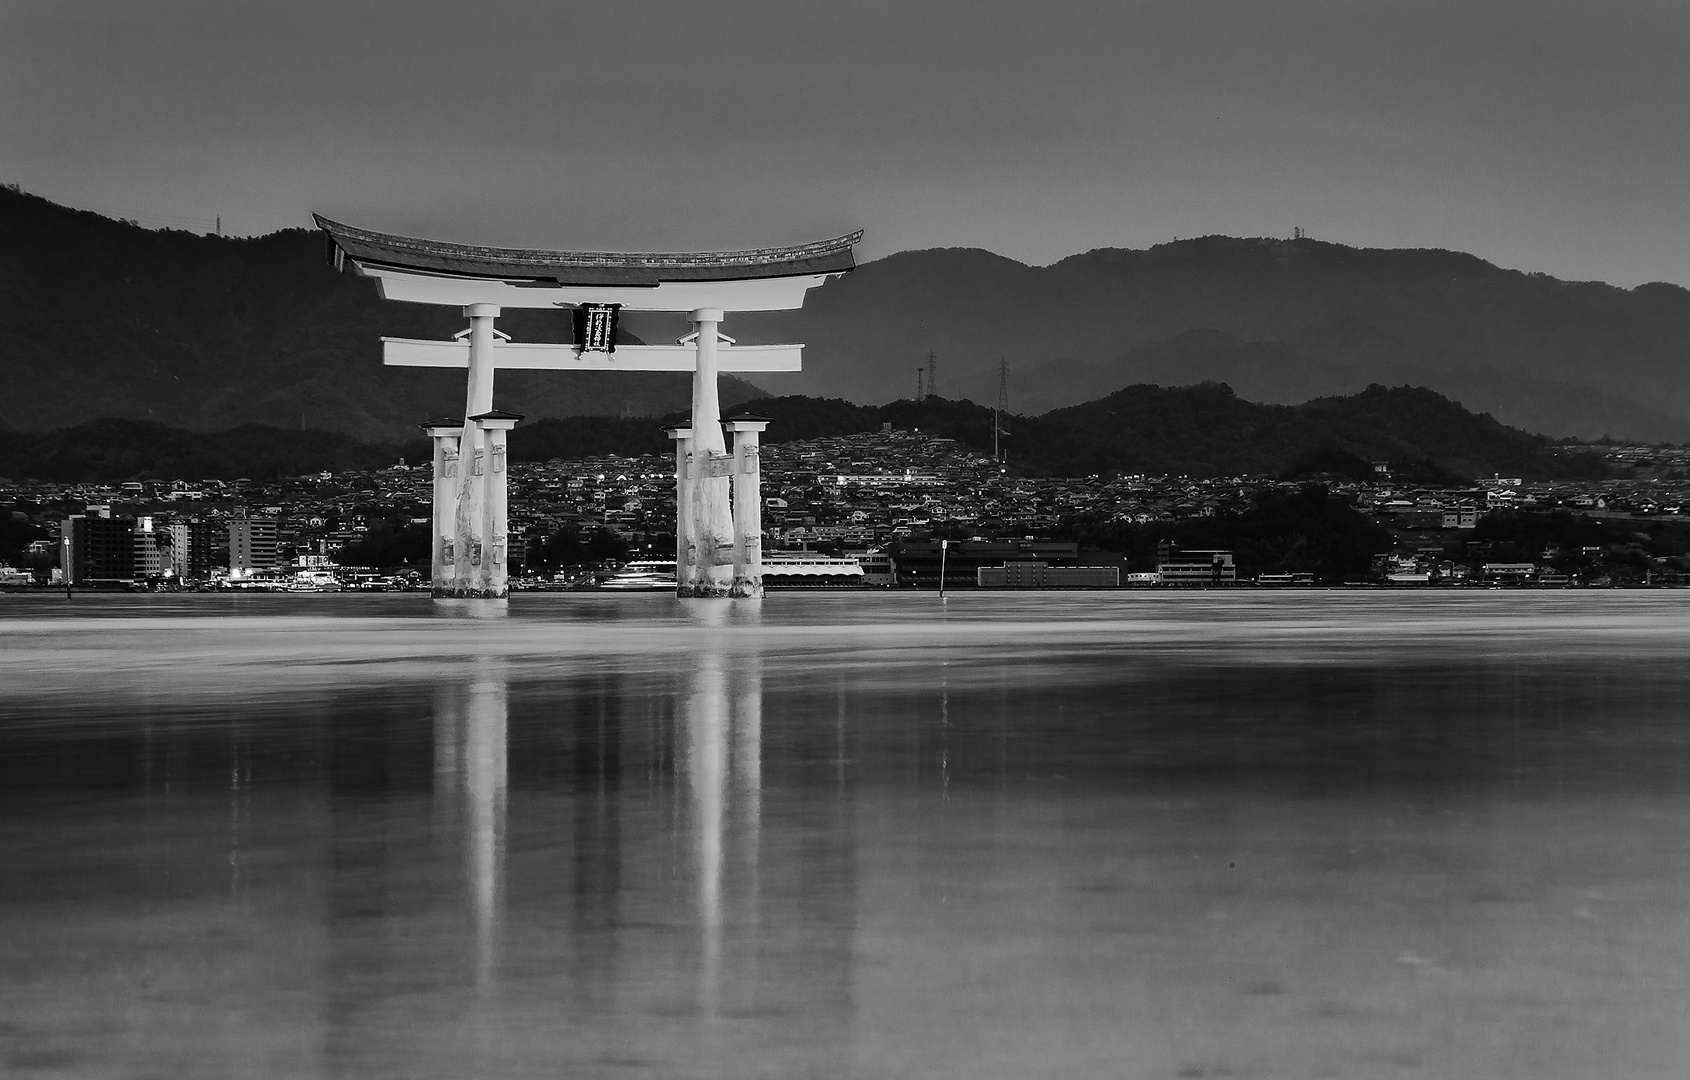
<point x="932" y="374"/>
<point x="1002" y="410"/>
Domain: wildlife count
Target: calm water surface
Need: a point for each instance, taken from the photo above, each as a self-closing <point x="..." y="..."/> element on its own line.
<point x="1093" y="835"/>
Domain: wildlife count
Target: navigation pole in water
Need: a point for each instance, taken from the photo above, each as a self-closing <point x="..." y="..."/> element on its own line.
<point x="718" y="513"/>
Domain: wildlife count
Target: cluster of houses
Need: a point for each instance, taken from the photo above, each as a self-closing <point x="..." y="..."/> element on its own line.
<point x="868" y="495"/>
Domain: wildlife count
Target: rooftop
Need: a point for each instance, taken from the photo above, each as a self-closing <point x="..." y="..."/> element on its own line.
<point x="543" y="267"/>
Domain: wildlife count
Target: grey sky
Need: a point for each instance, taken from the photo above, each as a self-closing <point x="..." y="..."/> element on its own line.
<point x="1539" y="134"/>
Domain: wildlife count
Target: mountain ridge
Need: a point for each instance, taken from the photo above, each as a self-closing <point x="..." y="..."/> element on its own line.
<point x="1564" y="358"/>
<point x="100" y="317"/>
<point x="1199" y="430"/>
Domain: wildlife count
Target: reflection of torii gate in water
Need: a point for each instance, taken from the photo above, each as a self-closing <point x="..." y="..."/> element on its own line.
<point x="718" y="543"/>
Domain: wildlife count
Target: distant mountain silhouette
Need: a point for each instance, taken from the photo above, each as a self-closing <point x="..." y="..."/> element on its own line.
<point x="99" y="318"/>
<point x="1279" y="320"/>
<point x="113" y="450"/>
<point x="1203" y="430"/>
<point x="1207" y="430"/>
<point x="1279" y="373"/>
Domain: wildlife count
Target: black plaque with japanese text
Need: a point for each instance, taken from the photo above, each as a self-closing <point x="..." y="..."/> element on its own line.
<point x="595" y="327"/>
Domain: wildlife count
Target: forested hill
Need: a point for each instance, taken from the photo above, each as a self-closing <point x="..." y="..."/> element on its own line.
<point x="1281" y="321"/>
<point x="113" y="450"/>
<point x="99" y="318"/>
<point x="102" y="318"/>
<point x="1207" y="430"/>
<point x="1203" y="430"/>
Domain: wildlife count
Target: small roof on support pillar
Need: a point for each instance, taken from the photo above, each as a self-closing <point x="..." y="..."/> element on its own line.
<point x="496" y="418"/>
<point x="434" y="271"/>
<point x="746" y="422"/>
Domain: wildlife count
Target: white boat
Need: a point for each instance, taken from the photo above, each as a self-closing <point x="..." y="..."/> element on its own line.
<point x="314" y="581"/>
<point x="806" y="569"/>
<point x="643" y="575"/>
<point x="786" y="569"/>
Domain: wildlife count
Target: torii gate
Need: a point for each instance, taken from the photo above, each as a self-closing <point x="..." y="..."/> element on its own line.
<point x="718" y="544"/>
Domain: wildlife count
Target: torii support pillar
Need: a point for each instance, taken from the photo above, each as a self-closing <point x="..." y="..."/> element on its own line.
<point x="468" y="537"/>
<point x="447" y="434"/>
<point x="488" y="560"/>
<point x="748" y="504"/>
<point x="710" y="525"/>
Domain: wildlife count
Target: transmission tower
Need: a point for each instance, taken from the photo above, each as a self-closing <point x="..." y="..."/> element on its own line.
<point x="1002" y="410"/>
<point x="932" y="374"/>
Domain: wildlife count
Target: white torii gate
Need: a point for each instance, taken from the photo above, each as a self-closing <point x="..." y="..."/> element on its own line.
<point x="718" y="540"/>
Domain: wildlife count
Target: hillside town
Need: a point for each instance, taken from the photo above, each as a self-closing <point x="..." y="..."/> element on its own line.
<point x="894" y="508"/>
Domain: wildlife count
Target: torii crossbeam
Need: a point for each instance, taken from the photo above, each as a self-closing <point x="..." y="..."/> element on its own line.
<point x="535" y="356"/>
<point x="718" y="541"/>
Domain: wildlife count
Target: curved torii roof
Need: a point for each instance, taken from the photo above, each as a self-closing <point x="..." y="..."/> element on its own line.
<point x="434" y="271"/>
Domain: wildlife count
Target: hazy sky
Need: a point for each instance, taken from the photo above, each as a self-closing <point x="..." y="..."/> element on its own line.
<point x="1538" y="134"/>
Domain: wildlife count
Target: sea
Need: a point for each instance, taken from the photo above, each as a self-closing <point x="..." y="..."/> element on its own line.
<point x="1290" y="833"/>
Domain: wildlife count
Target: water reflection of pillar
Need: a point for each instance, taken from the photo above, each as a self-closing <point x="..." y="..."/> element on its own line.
<point x="596" y="755"/>
<point x="448" y="745"/>
<point x="487" y="712"/>
<point x="721" y="736"/>
<point x="240" y="803"/>
<point x="944" y="732"/>
<point x="748" y="774"/>
<point x="706" y="727"/>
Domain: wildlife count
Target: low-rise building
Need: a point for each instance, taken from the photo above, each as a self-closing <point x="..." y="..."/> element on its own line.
<point x="252" y="546"/>
<point x="191" y="549"/>
<point x="1177" y="567"/>
<point x="917" y="564"/>
<point x="877" y="569"/>
<point x="94" y="548"/>
<point x="1032" y="574"/>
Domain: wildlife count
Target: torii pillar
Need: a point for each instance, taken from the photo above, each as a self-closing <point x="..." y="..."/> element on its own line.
<point x="469" y="533"/>
<point x="710" y="520"/>
<point x="492" y="580"/>
<point x="748" y="503"/>
<point x="446" y="433"/>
